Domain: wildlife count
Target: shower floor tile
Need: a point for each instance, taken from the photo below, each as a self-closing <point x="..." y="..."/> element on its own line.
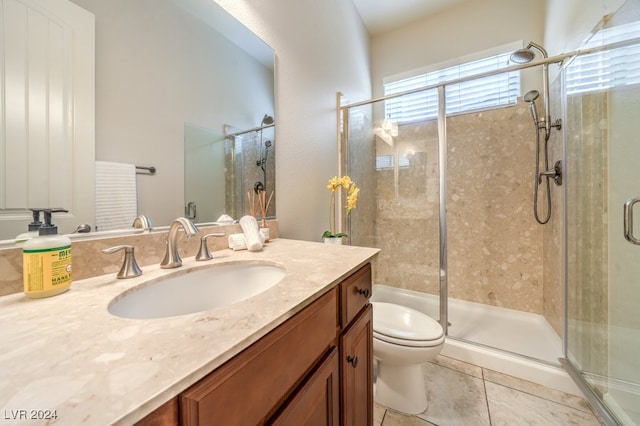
<point x="463" y="394"/>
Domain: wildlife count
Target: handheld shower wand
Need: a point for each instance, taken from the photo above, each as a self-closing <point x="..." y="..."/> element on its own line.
<point x="523" y="56"/>
<point x="530" y="98"/>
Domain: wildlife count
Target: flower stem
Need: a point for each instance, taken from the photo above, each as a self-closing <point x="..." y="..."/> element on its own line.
<point x="332" y="212"/>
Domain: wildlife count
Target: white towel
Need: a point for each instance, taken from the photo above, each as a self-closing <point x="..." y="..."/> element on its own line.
<point x="116" y="195"/>
<point x="251" y="233"/>
<point x="237" y="242"/>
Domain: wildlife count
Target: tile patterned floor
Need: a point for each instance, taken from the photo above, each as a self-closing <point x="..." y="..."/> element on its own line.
<point x="465" y="394"/>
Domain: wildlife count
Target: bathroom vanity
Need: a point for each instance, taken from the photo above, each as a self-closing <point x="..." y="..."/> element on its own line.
<point x="317" y="365"/>
<point x="301" y="349"/>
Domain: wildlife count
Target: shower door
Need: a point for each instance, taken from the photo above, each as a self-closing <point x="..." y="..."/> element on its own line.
<point x="603" y="275"/>
<point x="395" y="162"/>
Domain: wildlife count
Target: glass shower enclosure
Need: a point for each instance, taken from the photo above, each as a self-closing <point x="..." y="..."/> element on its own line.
<point x="448" y="200"/>
<point x="603" y="251"/>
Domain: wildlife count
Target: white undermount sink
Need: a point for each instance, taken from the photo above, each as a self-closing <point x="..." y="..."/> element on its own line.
<point x="190" y="291"/>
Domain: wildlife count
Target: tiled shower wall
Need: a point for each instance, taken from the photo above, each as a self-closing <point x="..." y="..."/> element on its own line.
<point x="242" y="154"/>
<point x="495" y="244"/>
<point x="495" y="248"/>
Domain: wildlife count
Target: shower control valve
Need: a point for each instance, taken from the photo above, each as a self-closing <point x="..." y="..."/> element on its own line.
<point x="555" y="173"/>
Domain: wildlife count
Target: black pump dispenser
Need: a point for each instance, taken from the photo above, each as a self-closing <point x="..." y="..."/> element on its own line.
<point x="47" y="227"/>
<point x="36" y="224"/>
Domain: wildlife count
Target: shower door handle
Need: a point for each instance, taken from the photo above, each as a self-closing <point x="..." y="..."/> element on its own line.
<point x="191" y="210"/>
<point x="628" y="220"/>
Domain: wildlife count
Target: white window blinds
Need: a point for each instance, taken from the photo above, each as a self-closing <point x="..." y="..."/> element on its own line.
<point x="488" y="92"/>
<point x="608" y="68"/>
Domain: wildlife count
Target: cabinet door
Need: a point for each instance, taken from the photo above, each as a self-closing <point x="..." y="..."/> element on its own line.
<point x="317" y="401"/>
<point x="248" y="389"/>
<point x="356" y="361"/>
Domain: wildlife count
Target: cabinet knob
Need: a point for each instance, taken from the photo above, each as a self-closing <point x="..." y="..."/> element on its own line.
<point x="353" y="360"/>
<point x="364" y="292"/>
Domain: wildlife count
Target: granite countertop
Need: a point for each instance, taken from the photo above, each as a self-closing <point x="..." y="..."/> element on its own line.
<point x="68" y="355"/>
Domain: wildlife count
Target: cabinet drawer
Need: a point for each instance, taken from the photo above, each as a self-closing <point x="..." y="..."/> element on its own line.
<point x="355" y="292"/>
<point x="248" y="388"/>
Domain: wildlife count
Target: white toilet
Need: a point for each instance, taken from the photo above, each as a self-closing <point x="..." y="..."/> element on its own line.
<point x="403" y="338"/>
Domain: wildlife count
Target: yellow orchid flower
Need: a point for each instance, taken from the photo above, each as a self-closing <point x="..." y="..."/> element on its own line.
<point x="353" y="191"/>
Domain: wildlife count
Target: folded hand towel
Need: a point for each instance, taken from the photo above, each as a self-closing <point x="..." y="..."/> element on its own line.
<point x="237" y="242"/>
<point x="251" y="233"/>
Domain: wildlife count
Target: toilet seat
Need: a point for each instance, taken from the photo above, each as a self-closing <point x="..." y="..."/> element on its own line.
<point x="404" y="326"/>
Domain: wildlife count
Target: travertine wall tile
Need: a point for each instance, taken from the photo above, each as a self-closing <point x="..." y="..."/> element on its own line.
<point x="89" y="261"/>
<point x="495" y="247"/>
<point x="495" y="244"/>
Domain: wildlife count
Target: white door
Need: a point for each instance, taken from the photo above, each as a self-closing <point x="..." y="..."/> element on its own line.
<point x="47" y="153"/>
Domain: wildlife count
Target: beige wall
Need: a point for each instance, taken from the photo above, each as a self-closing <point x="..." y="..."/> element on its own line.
<point x="569" y="22"/>
<point x="456" y="32"/>
<point x="321" y="48"/>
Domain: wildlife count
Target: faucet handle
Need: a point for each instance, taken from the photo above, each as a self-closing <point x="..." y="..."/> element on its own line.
<point x="204" y="253"/>
<point x="130" y="268"/>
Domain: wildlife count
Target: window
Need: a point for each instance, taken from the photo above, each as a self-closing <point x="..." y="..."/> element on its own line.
<point x="488" y="92"/>
<point x="385" y="162"/>
<point x="607" y="68"/>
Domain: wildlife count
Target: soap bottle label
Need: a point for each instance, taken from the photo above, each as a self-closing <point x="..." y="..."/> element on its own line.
<point x="46" y="270"/>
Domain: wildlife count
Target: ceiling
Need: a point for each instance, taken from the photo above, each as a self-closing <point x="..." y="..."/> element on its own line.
<point x="383" y="15"/>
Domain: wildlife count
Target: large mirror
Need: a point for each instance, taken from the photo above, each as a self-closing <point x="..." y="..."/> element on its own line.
<point x="175" y="79"/>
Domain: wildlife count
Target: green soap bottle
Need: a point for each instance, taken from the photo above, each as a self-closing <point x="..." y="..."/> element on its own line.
<point x="47" y="261"/>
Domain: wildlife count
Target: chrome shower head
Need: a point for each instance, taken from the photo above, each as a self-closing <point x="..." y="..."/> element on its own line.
<point x="526" y="55"/>
<point x="522" y="56"/>
<point x="267" y="119"/>
<point x="267" y="144"/>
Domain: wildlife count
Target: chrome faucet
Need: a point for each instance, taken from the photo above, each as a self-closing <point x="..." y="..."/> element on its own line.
<point x="171" y="257"/>
<point x="142" y="222"/>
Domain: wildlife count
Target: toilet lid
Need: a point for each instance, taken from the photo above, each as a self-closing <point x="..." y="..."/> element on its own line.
<point x="400" y="322"/>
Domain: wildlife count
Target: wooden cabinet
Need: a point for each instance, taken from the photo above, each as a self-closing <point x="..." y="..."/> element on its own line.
<point x="355" y="291"/>
<point x="356" y="365"/>
<point x="247" y="389"/>
<point x="318" y="400"/>
<point x="314" y="369"/>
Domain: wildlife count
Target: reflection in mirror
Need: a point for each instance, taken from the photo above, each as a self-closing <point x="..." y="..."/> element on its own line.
<point x="204" y="173"/>
<point x="221" y="170"/>
<point x="162" y="66"/>
<point x="250" y="156"/>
